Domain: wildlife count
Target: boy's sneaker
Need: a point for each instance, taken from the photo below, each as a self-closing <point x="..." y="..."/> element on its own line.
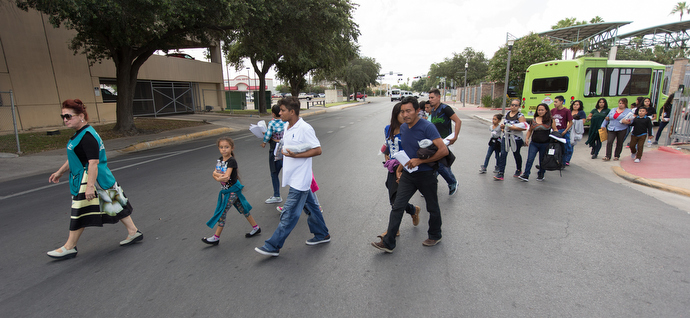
<point x="482" y="169"/>
<point x="637" y="160"/>
<point x="315" y="241"/>
<point x="524" y="178"/>
<point x="264" y="251"/>
<point x="632" y="156"/>
<point x="540" y="177"/>
<point x="381" y="246"/>
<point x="517" y="173"/>
<point x="274" y="200"/>
<point x="498" y="177"/>
<point x="453" y="188"/>
<point x="655" y="143"/>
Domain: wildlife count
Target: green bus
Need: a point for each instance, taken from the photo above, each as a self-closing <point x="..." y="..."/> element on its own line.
<point x="591" y="78"/>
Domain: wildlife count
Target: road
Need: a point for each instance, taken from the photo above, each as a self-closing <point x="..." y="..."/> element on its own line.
<point x="578" y="245"/>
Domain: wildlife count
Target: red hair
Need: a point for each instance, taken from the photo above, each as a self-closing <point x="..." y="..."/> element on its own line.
<point x="77" y="106"/>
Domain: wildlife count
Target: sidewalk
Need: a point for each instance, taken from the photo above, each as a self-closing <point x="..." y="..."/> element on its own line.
<point x="14" y="167"/>
<point x="663" y="168"/>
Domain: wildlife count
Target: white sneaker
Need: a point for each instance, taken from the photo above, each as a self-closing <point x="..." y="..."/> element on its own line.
<point x="637" y="160"/>
<point x="274" y="200"/>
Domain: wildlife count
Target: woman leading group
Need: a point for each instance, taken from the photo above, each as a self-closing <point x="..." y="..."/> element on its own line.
<point x="96" y="197"/>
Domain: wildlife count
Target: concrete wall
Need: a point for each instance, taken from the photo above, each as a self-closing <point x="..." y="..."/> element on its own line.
<point x="40" y="69"/>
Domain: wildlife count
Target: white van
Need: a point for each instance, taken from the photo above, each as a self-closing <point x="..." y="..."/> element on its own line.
<point x="395" y="95"/>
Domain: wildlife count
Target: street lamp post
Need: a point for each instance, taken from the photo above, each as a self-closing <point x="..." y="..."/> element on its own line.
<point x="510" y="40"/>
<point x="464" y="89"/>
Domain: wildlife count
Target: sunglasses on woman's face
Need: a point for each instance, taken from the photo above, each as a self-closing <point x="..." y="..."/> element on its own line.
<point x="67" y="116"/>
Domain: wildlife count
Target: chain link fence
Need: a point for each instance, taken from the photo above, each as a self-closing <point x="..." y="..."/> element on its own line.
<point x="9" y="121"/>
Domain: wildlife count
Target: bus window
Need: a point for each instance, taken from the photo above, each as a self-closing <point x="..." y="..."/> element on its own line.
<point x="600" y="82"/>
<point x="640" y="81"/>
<point x="624" y="81"/>
<point x="594" y="82"/>
<point x="613" y="84"/>
<point x="550" y="85"/>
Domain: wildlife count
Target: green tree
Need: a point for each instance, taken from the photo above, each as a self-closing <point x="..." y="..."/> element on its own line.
<point x="454" y="68"/>
<point x="526" y="51"/>
<point x="681" y="7"/>
<point x="301" y="35"/>
<point x="129" y="31"/>
<point x="596" y="19"/>
<point x="355" y="76"/>
<point x="421" y="85"/>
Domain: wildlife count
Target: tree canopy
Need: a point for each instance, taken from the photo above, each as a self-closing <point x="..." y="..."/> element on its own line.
<point x="453" y="68"/>
<point x="355" y="76"/>
<point x="297" y="36"/>
<point x="680" y="7"/>
<point x="130" y="31"/>
<point x="526" y="51"/>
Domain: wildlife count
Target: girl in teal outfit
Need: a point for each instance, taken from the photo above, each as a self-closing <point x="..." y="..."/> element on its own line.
<point x="97" y="198"/>
<point x="230" y="193"/>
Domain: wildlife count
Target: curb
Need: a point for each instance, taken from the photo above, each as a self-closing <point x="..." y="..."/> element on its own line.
<point x="213" y="132"/>
<point x="649" y="183"/>
<point x="171" y="140"/>
<point x="482" y="119"/>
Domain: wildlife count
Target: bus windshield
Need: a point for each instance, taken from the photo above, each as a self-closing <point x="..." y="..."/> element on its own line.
<point x="550" y="85"/>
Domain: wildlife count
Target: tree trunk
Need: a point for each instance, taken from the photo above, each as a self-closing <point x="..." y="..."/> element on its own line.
<point x="127" y="65"/>
<point x="126" y="83"/>
<point x="262" y="84"/>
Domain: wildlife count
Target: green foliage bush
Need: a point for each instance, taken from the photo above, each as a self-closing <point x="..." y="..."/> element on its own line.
<point x="497" y="102"/>
<point x="487" y="101"/>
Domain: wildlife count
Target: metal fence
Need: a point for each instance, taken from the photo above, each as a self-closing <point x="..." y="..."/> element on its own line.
<point x="8" y="117"/>
<point x="679" y="124"/>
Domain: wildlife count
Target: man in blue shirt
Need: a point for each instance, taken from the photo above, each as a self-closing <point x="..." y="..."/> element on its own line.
<point x="422" y="179"/>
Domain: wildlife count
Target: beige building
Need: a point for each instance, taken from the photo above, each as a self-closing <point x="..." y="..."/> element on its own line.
<point x="41" y="71"/>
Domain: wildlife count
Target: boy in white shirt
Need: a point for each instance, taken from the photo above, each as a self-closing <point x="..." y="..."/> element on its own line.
<point x="297" y="173"/>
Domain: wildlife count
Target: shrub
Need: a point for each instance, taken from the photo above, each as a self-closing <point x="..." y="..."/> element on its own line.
<point x="498" y="102"/>
<point x="487" y="101"/>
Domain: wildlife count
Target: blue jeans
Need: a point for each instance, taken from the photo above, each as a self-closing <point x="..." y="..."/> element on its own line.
<point x="535" y="147"/>
<point x="275" y="166"/>
<point x="490" y="151"/>
<point x="568" y="147"/>
<point x="503" y="158"/>
<point x="662" y="125"/>
<point x="446" y="174"/>
<point x="295" y="203"/>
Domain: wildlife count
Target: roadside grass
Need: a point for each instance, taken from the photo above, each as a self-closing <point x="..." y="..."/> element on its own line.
<point x="240" y="112"/>
<point x="34" y="142"/>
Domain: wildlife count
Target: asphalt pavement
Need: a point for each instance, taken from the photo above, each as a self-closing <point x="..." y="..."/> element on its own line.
<point x="587" y="244"/>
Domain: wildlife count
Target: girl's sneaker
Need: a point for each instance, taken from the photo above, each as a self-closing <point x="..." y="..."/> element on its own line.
<point x="482" y="169"/>
<point x="254" y="231"/>
<point x="499" y="177"/>
<point x="213" y="240"/>
<point x="280" y="209"/>
<point x="496" y="169"/>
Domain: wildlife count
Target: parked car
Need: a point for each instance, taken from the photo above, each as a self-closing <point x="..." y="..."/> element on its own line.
<point x="359" y="95"/>
<point x="304" y="96"/>
<point x="322" y="95"/>
<point x="250" y="97"/>
<point x="181" y="55"/>
<point x="277" y="95"/>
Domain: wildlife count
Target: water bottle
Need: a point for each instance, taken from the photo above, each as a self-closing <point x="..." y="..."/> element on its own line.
<point x="649" y="142"/>
<point x="219" y="166"/>
<point x="224" y="167"/>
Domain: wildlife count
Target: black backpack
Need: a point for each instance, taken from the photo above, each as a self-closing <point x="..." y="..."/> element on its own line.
<point x="553" y="159"/>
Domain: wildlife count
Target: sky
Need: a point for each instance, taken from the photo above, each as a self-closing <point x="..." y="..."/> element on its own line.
<point x="407" y="36"/>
